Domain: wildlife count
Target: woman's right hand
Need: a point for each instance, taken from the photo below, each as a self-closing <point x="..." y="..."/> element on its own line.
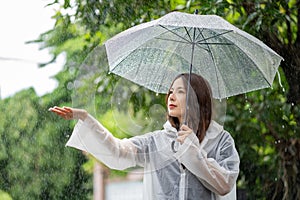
<point x="69" y="113"/>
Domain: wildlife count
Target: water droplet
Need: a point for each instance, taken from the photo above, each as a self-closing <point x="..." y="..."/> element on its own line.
<point x="283" y="126"/>
<point x="72" y="70"/>
<point x="70" y="86"/>
<point x="279" y="79"/>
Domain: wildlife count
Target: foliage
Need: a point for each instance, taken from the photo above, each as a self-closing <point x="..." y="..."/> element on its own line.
<point x="274" y="119"/>
<point x="34" y="162"/>
<point x="4" y="196"/>
<point x="264" y="124"/>
<point x="252" y="123"/>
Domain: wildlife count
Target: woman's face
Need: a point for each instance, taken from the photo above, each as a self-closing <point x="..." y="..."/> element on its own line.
<point x="177" y="99"/>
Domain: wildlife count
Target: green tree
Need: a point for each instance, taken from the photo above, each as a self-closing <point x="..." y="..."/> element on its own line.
<point x="34" y="163"/>
<point x="265" y="124"/>
<point x="275" y="118"/>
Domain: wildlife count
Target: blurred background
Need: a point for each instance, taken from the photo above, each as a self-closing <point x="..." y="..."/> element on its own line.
<point x="45" y="49"/>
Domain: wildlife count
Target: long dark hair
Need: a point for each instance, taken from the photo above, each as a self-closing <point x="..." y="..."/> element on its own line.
<point x="199" y="113"/>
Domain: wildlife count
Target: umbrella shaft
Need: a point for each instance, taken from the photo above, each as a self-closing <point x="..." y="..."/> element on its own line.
<point x="189" y="85"/>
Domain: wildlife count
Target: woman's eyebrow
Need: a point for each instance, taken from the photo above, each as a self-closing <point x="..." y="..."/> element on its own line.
<point x="180" y="87"/>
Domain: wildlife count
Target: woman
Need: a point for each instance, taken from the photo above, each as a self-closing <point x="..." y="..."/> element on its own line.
<point x="203" y="164"/>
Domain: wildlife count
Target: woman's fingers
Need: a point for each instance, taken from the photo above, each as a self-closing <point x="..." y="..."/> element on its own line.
<point x="68" y="109"/>
<point x="181" y="139"/>
<point x="55" y="110"/>
<point x="184" y="132"/>
<point x="184" y="129"/>
<point x="58" y="110"/>
<point x="70" y="113"/>
<point x="64" y="112"/>
<point x="182" y="135"/>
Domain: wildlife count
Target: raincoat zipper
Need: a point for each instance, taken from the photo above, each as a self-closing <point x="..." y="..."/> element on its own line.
<point x="182" y="183"/>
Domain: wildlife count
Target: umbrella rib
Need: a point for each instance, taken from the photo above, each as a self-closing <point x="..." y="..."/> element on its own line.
<point x="198" y="45"/>
<point x="205" y="39"/>
<point x="209" y="50"/>
<point x="214" y="43"/>
<point x="175" y="34"/>
<point x="187" y="42"/>
<point x="200" y="42"/>
<point x="187" y="32"/>
<point x="247" y="56"/>
<point x="263" y="75"/>
<point x="200" y="33"/>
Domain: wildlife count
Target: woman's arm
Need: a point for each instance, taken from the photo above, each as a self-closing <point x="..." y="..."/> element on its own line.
<point x="89" y="135"/>
<point x="217" y="175"/>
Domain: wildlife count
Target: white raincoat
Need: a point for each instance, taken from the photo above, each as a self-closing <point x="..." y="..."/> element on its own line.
<point x="196" y="171"/>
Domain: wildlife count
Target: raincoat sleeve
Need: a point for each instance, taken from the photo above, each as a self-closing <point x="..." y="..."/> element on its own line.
<point x="90" y="136"/>
<point x="218" y="175"/>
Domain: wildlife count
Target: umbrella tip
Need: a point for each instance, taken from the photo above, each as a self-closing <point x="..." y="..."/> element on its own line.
<point x="196" y="11"/>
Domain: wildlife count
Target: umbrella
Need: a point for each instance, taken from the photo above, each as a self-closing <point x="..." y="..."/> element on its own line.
<point x="152" y="54"/>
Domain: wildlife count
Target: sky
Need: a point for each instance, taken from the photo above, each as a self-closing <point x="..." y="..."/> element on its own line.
<point x="23" y="21"/>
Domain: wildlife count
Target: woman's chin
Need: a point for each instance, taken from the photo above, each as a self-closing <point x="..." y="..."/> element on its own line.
<point x="174" y="115"/>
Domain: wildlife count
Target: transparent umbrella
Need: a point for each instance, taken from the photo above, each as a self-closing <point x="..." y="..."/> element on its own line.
<point x="153" y="53"/>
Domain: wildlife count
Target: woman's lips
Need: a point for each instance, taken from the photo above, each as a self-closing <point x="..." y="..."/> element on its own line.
<point x="172" y="106"/>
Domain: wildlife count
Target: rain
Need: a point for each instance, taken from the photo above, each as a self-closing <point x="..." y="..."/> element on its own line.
<point x="35" y="162"/>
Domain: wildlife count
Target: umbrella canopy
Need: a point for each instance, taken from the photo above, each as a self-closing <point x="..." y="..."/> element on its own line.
<point x="152" y="54"/>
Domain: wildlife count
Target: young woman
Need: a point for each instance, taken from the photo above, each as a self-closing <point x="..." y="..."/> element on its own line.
<point x="202" y="164"/>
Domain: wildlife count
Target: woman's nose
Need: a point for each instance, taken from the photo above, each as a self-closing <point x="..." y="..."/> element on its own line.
<point x="172" y="97"/>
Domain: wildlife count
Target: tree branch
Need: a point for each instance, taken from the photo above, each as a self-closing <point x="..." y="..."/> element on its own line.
<point x="298" y="24"/>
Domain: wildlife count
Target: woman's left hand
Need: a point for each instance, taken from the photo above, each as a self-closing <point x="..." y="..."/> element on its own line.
<point x="184" y="132"/>
<point x="69" y="113"/>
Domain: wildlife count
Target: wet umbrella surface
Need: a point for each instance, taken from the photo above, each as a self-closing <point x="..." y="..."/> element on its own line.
<point x="153" y="53"/>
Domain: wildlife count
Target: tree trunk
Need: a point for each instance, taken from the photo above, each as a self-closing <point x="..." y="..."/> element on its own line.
<point x="289" y="152"/>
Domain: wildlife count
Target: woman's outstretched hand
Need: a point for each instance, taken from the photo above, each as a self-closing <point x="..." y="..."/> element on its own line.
<point x="69" y="113"/>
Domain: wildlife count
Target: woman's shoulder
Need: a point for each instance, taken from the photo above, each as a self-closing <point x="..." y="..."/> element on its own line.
<point x="216" y="135"/>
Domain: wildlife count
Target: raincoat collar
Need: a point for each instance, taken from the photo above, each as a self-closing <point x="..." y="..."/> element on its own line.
<point x="170" y="130"/>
